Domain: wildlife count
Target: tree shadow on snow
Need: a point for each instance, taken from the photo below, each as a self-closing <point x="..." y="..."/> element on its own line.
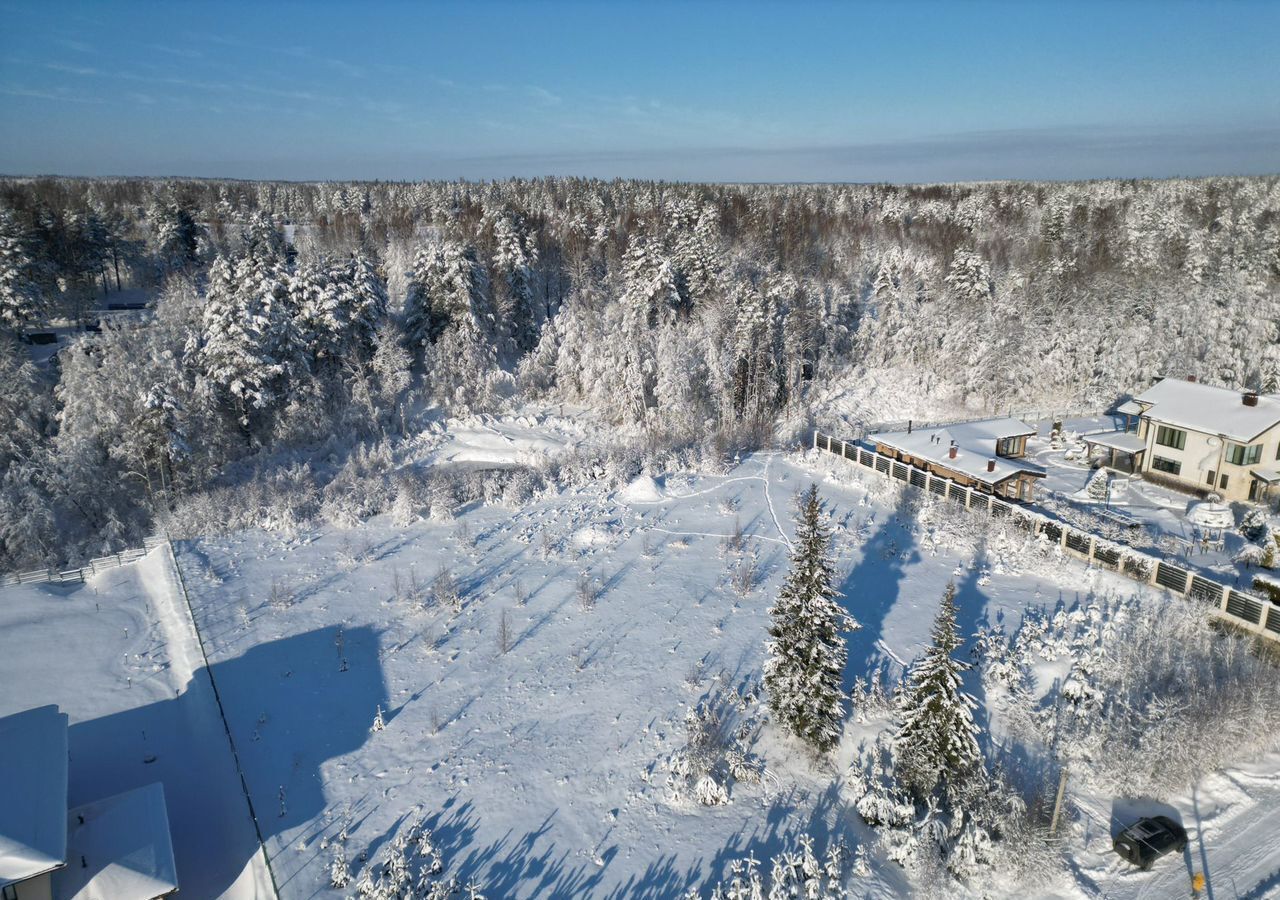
<point x="872" y="587"/>
<point x="291" y="706"/>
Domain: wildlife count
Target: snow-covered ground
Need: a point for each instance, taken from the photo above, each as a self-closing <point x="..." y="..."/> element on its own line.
<point x="120" y="656"/>
<point x="540" y="769"/>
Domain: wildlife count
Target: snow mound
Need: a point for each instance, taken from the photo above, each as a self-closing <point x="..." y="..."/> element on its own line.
<point x="592" y="536"/>
<point x="489" y="441"/>
<point x="642" y="490"/>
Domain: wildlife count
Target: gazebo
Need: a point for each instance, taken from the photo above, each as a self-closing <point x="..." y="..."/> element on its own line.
<point x="1120" y="445"/>
<point x="1211" y="518"/>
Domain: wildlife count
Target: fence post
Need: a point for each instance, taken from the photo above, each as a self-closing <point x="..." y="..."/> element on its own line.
<point x="844" y="454"/>
<point x="1062" y="538"/>
<point x="815" y="439"/>
<point x="968" y="498"/>
<point x="1226" y="592"/>
<point x="1093" y="542"/>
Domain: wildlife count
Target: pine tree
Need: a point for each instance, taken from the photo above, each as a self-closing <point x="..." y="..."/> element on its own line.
<point x="20" y="298"/>
<point x="807" y="653"/>
<point x="937" y="737"/>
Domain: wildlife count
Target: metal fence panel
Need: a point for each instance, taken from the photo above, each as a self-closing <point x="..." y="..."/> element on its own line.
<point x="1077" y="541"/>
<point x="1172" y="577"/>
<point x="1205" y="591"/>
<point x="1107" y="554"/>
<point x="1273" y="619"/>
<point x="1242" y="606"/>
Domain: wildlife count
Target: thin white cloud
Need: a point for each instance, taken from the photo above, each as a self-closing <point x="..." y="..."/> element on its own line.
<point x="72" y="70"/>
<point x="14" y="90"/>
<point x="184" y="52"/>
<point x="543" y="95"/>
<point x="78" y="46"/>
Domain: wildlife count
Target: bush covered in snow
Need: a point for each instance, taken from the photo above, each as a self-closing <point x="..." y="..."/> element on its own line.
<point x="713" y="758"/>
<point x="410" y="867"/>
<point x="793" y="873"/>
<point x="1153" y="696"/>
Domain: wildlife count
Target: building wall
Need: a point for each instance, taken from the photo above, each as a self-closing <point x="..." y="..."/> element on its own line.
<point x="38" y="888"/>
<point x="1199" y="456"/>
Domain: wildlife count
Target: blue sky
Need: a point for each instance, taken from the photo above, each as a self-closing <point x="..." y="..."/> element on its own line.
<point x="909" y="91"/>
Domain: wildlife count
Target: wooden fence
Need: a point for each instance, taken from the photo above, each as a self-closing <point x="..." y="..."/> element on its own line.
<point x="83" y="573"/>
<point x="1253" y="614"/>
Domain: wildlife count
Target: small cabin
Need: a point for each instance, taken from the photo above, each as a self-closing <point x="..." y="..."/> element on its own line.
<point x="987" y="455"/>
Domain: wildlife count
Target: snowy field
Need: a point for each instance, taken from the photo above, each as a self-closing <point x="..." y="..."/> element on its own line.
<point x="537" y="759"/>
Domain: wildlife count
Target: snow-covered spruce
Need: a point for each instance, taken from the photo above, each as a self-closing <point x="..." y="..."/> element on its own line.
<point x="936" y="741"/>
<point x="20" y="298"/>
<point x="792" y="873"/>
<point x="807" y="654"/>
<point x="409" y="868"/>
<point x="712" y="759"/>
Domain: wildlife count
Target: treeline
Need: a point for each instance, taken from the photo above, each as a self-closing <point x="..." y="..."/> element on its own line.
<point x="286" y="314"/>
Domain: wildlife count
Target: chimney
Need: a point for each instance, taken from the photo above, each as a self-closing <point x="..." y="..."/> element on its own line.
<point x="1191" y="378"/>
<point x="1249" y="398"/>
<point x="991" y="465"/>
<point x="951" y="454"/>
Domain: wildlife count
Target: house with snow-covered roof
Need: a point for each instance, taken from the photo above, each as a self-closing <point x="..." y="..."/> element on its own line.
<point x="987" y="455"/>
<point x="1204" y="438"/>
<point x="117" y="848"/>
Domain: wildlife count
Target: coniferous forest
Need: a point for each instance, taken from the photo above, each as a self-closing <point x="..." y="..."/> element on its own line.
<point x="295" y="334"/>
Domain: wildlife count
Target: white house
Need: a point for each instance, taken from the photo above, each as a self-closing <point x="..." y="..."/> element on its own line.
<point x="1207" y="439"/>
<point x="118" y="848"/>
<point x="986" y="455"/>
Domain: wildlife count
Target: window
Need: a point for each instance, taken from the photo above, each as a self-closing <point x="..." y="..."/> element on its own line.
<point x="1171" y="437"/>
<point x="1010" y="446"/>
<point x="9" y="892"/>
<point x="1166" y="465"/>
<point x="1213" y="477"/>
<point x="1240" y="455"/>
<point x="1222" y="482"/>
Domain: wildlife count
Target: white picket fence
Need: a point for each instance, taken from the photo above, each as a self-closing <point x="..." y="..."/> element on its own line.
<point x="83" y="573"/>
<point x="1246" y="611"/>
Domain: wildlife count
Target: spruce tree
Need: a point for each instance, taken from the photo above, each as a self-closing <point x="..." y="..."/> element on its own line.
<point x="807" y="653"/>
<point x="20" y="298"/>
<point x="937" y="737"/>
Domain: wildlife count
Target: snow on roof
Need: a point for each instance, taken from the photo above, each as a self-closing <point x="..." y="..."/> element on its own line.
<point x="118" y="848"/>
<point x="1124" y="441"/>
<point x="1209" y="409"/>
<point x="976" y="442"/>
<point x="1211" y="515"/>
<point x="1129" y="408"/>
<point x="33" y="793"/>
<point x="1268" y="475"/>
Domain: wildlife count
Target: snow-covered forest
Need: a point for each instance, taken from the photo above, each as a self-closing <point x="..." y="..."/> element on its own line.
<point x="299" y="333"/>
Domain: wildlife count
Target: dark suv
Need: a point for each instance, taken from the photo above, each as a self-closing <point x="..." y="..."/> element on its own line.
<point x="1146" y="840"/>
